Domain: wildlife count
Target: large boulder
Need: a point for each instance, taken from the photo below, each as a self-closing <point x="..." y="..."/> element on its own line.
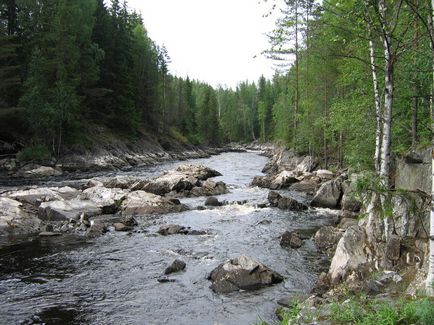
<point x="68" y="209"/>
<point x="176" y="266"/>
<point x="309" y="187"/>
<point x="351" y="254"/>
<point x="35" y="196"/>
<point x="242" y="273"/>
<point x="105" y="197"/>
<point x="170" y="229"/>
<point x="171" y="181"/>
<point x="15" y="219"/>
<point x="142" y="203"/>
<point x="328" y="195"/>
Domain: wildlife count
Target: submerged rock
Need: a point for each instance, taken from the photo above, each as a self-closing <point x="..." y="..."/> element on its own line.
<point x="242" y="273"/>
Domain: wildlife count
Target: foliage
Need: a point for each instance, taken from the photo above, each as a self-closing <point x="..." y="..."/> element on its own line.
<point x="36" y="152"/>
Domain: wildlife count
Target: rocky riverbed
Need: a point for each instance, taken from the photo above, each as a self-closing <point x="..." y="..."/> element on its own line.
<point x="156" y="243"/>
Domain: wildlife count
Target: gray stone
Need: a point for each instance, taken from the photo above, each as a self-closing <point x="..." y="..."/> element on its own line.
<point x="143" y="203"/>
<point x="328" y="196"/>
<point x="16" y="219"/>
<point x="350" y="255"/>
<point x="327" y="238"/>
<point x="176" y="266"/>
<point x="166" y="230"/>
<point x="305" y="186"/>
<point x="287" y="203"/>
<point x="65" y="210"/>
<point x="393" y="248"/>
<point x="212" y="201"/>
<point x="414" y="173"/>
<point x="97" y="228"/>
<point x="291" y="239"/>
<point x="242" y="273"/>
<point x="121" y="227"/>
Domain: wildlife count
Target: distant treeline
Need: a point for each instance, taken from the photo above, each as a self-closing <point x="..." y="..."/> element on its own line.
<point x="70" y="66"/>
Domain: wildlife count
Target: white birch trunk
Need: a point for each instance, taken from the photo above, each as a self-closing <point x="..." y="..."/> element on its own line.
<point x="388" y="98"/>
<point x="378" y="113"/>
<point x="430" y="277"/>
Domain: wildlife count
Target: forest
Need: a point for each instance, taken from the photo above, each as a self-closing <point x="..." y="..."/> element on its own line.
<point x="69" y="68"/>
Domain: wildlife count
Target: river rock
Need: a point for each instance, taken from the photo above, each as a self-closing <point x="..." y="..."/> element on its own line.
<point x="129" y="221"/>
<point x="283" y="180"/>
<point x="109" y="199"/>
<point x="305" y="186"/>
<point x="97" y="228"/>
<point x="273" y="198"/>
<point x="291" y="239"/>
<point x="351" y="254"/>
<point x="142" y="203"/>
<point x="68" y="209"/>
<point x="262" y="181"/>
<point x="200" y="172"/>
<point x="122" y="227"/>
<point x="122" y="182"/>
<point x="242" y="273"/>
<point x="209" y="188"/>
<point x="39" y="172"/>
<point x="285" y="203"/>
<point x="327" y="238"/>
<point x="212" y="201"/>
<point x="166" y="230"/>
<point x="328" y="196"/>
<point x="176" y="266"/>
<point x="16" y="219"/>
<point x="36" y="196"/>
<point x="170" y="181"/>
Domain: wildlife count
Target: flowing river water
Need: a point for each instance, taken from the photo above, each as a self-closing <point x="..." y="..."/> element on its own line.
<point x="113" y="279"/>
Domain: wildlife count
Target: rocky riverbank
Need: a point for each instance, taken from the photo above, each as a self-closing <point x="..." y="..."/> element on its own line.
<point x="379" y="248"/>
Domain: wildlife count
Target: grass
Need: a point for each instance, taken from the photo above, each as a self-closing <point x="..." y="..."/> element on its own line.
<point x="363" y="311"/>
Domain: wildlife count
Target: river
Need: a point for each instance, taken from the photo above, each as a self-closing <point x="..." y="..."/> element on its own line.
<point x="113" y="279"/>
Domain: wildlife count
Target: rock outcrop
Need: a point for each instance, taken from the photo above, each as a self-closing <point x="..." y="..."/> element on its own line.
<point x="329" y="195"/>
<point x="144" y="203"/>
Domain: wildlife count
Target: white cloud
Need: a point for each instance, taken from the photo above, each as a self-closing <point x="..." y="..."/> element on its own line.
<point x="211" y="40"/>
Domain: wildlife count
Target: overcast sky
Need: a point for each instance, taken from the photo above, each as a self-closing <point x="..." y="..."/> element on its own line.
<point x="210" y="40"/>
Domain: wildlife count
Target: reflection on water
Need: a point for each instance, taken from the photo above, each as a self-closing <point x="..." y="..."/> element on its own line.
<point x="113" y="279"/>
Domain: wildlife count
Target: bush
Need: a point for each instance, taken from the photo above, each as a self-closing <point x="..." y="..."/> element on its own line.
<point x="34" y="152"/>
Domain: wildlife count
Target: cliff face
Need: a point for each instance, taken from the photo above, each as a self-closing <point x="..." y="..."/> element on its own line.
<point x="392" y="233"/>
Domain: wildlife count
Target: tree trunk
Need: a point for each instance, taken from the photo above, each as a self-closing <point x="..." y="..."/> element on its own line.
<point x="430" y="277"/>
<point x="414" y="109"/>
<point x="324" y="128"/>
<point x="294" y="139"/>
<point x="377" y="99"/>
<point x="388" y="97"/>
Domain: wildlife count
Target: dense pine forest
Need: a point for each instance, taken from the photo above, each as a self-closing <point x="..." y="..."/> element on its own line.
<point x="69" y="68"/>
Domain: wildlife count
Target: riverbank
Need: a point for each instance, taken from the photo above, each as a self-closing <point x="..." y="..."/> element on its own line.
<point x="379" y="248"/>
